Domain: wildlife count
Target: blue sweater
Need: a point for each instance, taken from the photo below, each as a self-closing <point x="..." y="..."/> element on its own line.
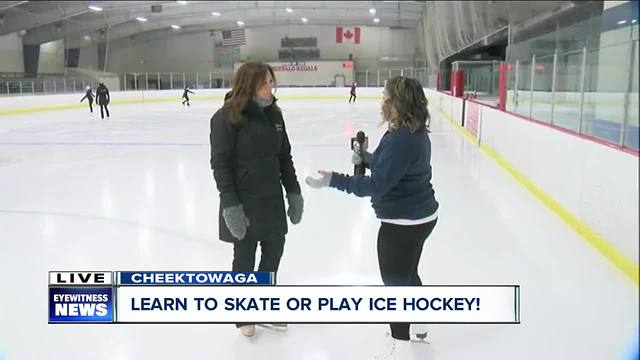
<point x="400" y="182"/>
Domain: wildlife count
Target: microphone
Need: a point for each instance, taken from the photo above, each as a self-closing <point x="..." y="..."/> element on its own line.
<point x="358" y="145"/>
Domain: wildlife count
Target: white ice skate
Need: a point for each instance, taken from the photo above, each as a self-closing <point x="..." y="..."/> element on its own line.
<point x="398" y="350"/>
<point x="276" y="327"/>
<point x="417" y="337"/>
<point x="248" y="330"/>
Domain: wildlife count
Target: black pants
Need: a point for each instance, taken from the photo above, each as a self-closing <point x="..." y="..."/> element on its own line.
<point x="353" y="96"/>
<point x="399" y="251"/>
<point x="244" y="256"/>
<point x="186" y="100"/>
<point x="103" y="108"/>
<point x="91" y="105"/>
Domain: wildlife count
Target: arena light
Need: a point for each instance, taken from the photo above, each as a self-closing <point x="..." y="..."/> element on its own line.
<point x="176" y="27"/>
<point x="304" y="20"/>
<point x="215" y="13"/>
<point x="634" y="21"/>
<point x="622" y="22"/>
<point x="182" y="2"/>
<point x="240" y="23"/>
<point x="142" y="19"/>
<point x="95" y="8"/>
<point x="376" y="20"/>
<point x="289" y="10"/>
<point x="87" y="38"/>
<point x="372" y="11"/>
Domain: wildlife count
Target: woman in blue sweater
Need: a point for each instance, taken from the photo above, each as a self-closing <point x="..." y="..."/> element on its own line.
<point x="400" y="190"/>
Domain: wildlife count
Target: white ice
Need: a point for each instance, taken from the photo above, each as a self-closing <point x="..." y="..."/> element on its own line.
<point x="136" y="192"/>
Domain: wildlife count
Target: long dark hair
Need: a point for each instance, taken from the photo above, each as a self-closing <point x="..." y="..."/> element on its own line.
<point x="405" y="104"/>
<point x="247" y="79"/>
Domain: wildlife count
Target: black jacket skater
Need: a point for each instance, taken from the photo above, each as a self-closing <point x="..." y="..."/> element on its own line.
<point x="102" y="95"/>
<point x="251" y="162"/>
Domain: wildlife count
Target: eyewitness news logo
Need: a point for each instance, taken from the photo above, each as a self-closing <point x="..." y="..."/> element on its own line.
<point x="82" y="304"/>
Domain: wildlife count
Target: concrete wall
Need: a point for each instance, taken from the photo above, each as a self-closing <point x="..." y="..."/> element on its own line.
<point x="11" y="57"/>
<point x="51" y="60"/>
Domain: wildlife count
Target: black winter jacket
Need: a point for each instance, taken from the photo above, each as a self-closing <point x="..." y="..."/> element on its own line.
<point x="251" y="162"/>
<point x="102" y="95"/>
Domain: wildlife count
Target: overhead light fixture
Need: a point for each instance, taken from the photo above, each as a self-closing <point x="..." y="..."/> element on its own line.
<point x="376" y="20"/>
<point x="87" y="37"/>
<point x="240" y="22"/>
<point x="95" y="8"/>
<point x="215" y="13"/>
<point x="622" y="22"/>
<point x="289" y="10"/>
<point x="634" y="21"/>
<point x="142" y="19"/>
<point x="372" y="11"/>
<point x="176" y="27"/>
<point x="304" y="20"/>
<point x="182" y="2"/>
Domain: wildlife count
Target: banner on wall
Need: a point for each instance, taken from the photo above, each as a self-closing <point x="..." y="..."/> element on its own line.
<point x="310" y="73"/>
<point x="348" y="35"/>
<point x="472" y="120"/>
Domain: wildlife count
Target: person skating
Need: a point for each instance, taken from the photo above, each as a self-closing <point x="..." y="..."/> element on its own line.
<point x="185" y="96"/>
<point x="89" y="96"/>
<point x="251" y="162"/>
<point x="352" y="92"/>
<point x="400" y="190"/>
<point x="103" y="99"/>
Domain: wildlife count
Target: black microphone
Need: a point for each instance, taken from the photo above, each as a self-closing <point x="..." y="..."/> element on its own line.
<point x="358" y="147"/>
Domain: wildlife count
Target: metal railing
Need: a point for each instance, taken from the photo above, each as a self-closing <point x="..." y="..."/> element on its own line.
<point x="44" y="86"/>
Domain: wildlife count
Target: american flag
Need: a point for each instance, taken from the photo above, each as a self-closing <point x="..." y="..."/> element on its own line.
<point x="233" y="37"/>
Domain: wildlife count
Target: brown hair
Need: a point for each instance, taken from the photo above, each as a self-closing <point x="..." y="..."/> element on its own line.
<point x="405" y="104"/>
<point x="247" y="79"/>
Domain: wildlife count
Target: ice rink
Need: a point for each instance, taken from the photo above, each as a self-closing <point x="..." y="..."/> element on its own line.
<point x="136" y="192"/>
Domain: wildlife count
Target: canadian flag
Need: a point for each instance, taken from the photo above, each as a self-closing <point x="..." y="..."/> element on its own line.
<point x="347" y="35"/>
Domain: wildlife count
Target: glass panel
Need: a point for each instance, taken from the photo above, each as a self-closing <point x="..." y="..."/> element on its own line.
<point x="631" y="130"/>
<point x="607" y="79"/>
<point x="523" y="94"/>
<point x="567" y="98"/>
<point x="511" y="84"/>
<point x="542" y="89"/>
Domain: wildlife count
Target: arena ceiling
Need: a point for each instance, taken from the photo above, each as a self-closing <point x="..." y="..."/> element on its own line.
<point x="87" y="22"/>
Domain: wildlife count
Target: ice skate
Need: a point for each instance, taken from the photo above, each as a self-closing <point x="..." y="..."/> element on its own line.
<point x="417" y="337"/>
<point x="248" y="330"/>
<point x="397" y="350"/>
<point x="276" y="327"/>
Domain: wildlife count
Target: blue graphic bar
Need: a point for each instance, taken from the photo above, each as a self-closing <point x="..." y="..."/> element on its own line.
<point x="174" y="278"/>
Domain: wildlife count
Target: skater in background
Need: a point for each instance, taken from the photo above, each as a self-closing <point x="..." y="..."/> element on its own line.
<point x="89" y="96"/>
<point x="103" y="99"/>
<point x="251" y="162"/>
<point x="400" y="190"/>
<point x="352" y="93"/>
<point x="185" y="96"/>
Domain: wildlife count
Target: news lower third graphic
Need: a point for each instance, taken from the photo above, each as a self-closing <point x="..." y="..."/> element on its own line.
<point x="220" y="297"/>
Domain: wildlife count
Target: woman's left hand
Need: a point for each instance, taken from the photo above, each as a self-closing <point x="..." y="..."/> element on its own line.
<point x="319" y="182"/>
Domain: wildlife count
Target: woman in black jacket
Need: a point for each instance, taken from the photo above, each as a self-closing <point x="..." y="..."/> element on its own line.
<point x="103" y="99"/>
<point x="251" y="162"/>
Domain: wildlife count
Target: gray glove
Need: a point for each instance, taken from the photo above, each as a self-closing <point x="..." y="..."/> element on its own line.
<point x="296" y="206"/>
<point x="357" y="159"/>
<point x="323" y="181"/>
<point x="236" y="221"/>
